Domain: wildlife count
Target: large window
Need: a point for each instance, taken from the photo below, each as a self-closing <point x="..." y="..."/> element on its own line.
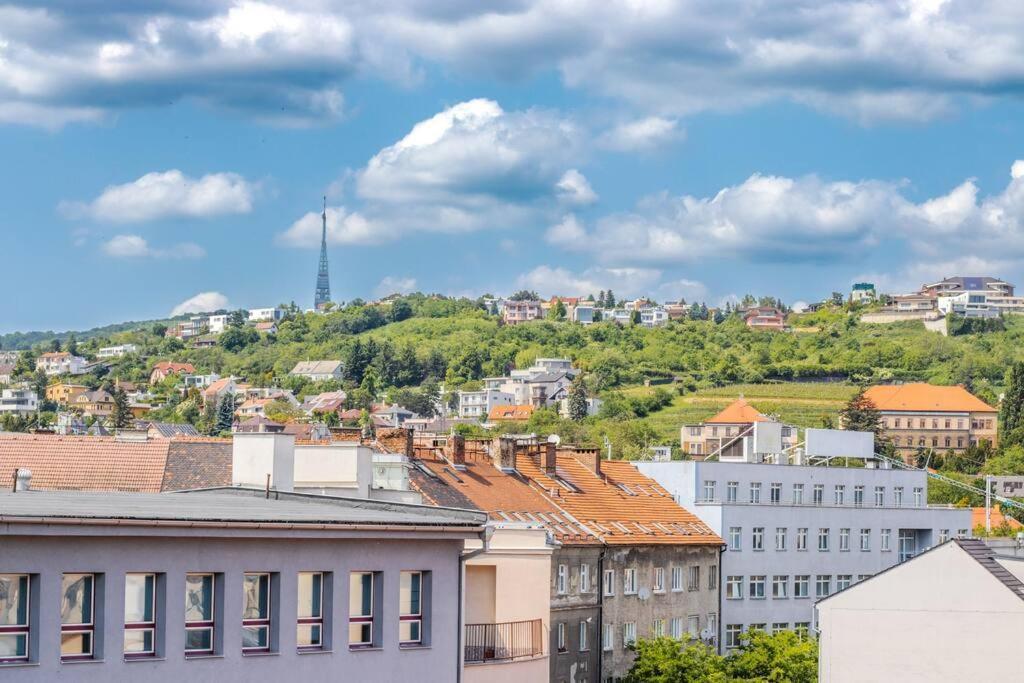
<point x="584" y="637"/>
<point x="776" y="493"/>
<point x="858" y="495"/>
<point x="609" y="582"/>
<point x="801" y="585"/>
<point x="734" y="588"/>
<point x="709" y="490"/>
<point x="918" y="496"/>
<point x="755" y="492"/>
<point x="757" y="587"/>
<point x="865" y="539"/>
<point x="677" y="578"/>
<point x="310" y="625"/>
<point x="410" y="608"/>
<point x="694" y="582"/>
<point x="823" y="586"/>
<point x="608" y="637"/>
<point x="844" y="539"/>
<point x="562" y="579"/>
<point x="732" y="635"/>
<point x="780" y="587"/>
<point x="843" y="581"/>
<point x="139" y="615"/>
<point x="77" y="624"/>
<point x="676" y="627"/>
<point x="780" y="538"/>
<point x="731" y="489"/>
<point x="628" y="633"/>
<point x="560" y="637"/>
<point x="801" y="538"/>
<point x="14" y="617"/>
<point x="879" y="496"/>
<point x="256" y="612"/>
<point x="840" y="494"/>
<point x="693" y="626"/>
<point x="798" y="494"/>
<point x="819" y="494"/>
<point x="735" y="538"/>
<point x="200" y="614"/>
<point x="584" y="578"/>
<point x="713" y="577"/>
<point x="360" y="609"/>
<point x="823" y="540"/>
<point x="886" y="535"/>
<point x="629" y="581"/>
<point x="757" y="542"/>
<point x="897" y="496"/>
<point x="659" y="580"/>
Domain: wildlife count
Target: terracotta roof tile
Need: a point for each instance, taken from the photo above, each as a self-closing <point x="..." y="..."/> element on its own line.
<point x="522" y="413"/>
<point x="919" y="396"/>
<point x="738" y="412"/>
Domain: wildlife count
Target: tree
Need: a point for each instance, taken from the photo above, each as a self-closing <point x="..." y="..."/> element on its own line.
<point x="225" y="414"/>
<point x="237" y="338"/>
<point x="1011" y="411"/>
<point x="635" y="317"/>
<point x="782" y="656"/>
<point x="400" y="310"/>
<point x="667" y="660"/>
<point x="578" y="399"/>
<point x="601" y="300"/>
<point x="557" y="311"/>
<point x="609" y="299"/>
<point x="525" y="295"/>
<point x="72" y="345"/>
<point x="121" y="416"/>
<point x="238" y="318"/>
<point x="862" y="415"/>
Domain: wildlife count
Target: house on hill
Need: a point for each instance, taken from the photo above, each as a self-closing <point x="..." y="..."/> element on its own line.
<point x="164" y="369"/>
<point x="723" y="433"/>
<point x="318" y="370"/>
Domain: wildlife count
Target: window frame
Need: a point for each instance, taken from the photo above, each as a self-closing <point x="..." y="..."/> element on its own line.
<point x="584" y="578"/>
<point x="584" y="637"/>
<point x="311" y="621"/>
<point x="150" y="625"/>
<point x="562" y="579"/>
<point x="414" y="617"/>
<point x="757" y="538"/>
<point x="627" y="627"/>
<point x="608" y="583"/>
<point x="677" y="573"/>
<point x="693" y="578"/>
<point x="781" y="540"/>
<point x="20" y="629"/>
<point x="783" y="581"/>
<point x="757" y="586"/>
<point x="560" y="639"/>
<point x="658" y="582"/>
<point x="369" y="619"/>
<point x="630" y="585"/>
<point x="203" y="624"/>
<point x="80" y="628"/>
<point x="257" y="622"/>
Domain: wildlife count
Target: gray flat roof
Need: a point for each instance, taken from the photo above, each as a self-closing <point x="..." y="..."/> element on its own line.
<point x="227" y="506"/>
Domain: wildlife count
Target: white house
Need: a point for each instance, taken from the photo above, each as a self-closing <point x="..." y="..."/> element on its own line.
<point x="116" y="351"/>
<point x="60" y="363"/>
<point x="477" y="404"/>
<point x="218" y="323"/>
<point x="18" y="401"/>
<point x="593" y="406"/>
<point x="954" y="613"/>
<point x="318" y="370"/>
<point x="259" y="314"/>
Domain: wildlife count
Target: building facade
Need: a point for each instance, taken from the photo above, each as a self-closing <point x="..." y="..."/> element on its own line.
<point x="478" y="404"/>
<point x="21" y="402"/>
<point x="723" y="433"/>
<point x="60" y="363"/>
<point x="515" y="312"/>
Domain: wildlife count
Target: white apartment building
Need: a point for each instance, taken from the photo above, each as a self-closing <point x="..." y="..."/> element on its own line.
<point x="260" y="314"/>
<point x="116" y="351"/>
<point x="60" y="363"/>
<point x="799" y="528"/>
<point x="218" y="323"/>
<point x="20" y="402"/>
<point x="653" y="316"/>
<point x="478" y="404"/>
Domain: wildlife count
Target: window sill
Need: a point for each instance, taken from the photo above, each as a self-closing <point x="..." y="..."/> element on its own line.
<point x="314" y="651"/>
<point x="151" y="658"/>
<point x="212" y="655"/>
<point x="17" y="665"/>
<point x="90" y="660"/>
<point x="365" y="648"/>
<point x="413" y="646"/>
<point x="261" y="654"/>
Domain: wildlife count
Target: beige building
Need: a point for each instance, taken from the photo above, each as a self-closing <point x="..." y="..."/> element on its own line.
<point x="922" y="416"/>
<point x="64" y="393"/>
<point x="725" y="431"/>
<point x="954" y="613"/>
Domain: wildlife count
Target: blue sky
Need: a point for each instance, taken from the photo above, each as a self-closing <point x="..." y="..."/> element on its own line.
<point x="178" y="151"/>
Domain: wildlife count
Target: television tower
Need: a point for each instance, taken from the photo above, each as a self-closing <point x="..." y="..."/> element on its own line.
<point x="323" y="279"/>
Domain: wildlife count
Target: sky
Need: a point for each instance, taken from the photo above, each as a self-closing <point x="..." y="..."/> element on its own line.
<point x="166" y="156"/>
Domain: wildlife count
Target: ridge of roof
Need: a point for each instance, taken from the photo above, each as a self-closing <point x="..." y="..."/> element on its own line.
<point x="738" y="412"/>
<point x="922" y="396"/>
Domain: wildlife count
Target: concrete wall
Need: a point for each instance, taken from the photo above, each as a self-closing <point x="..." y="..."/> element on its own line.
<point x="941" y="617"/>
<point x="573" y="607"/>
<point x="175" y="553"/>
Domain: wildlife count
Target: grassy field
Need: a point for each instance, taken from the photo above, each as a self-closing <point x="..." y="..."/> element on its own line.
<point x="805" y="404"/>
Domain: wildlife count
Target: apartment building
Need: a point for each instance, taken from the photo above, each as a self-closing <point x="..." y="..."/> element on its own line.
<point x="165" y="369"/>
<point x="724" y="432"/>
<point x="116" y="351"/>
<point x="515" y="312"/>
<point x="765" y="318"/>
<point x="21" y="402"/>
<point x="64" y="392"/>
<point x="318" y="370"/>
<point x="958" y="285"/>
<point x="919" y="416"/>
<point x="60" y="363"/>
<point x="799" y="528"/>
<point x="478" y="404"/>
<point x="862" y="292"/>
<point x="228" y="585"/>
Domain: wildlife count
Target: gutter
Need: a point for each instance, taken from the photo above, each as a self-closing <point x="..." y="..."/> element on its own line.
<point x="460" y="656"/>
<point x="294" y="526"/>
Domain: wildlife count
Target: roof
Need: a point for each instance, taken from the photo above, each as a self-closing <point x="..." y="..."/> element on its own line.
<point x="986" y="557"/>
<point x="228" y="506"/>
<point x="169" y="429"/>
<point x="197" y="462"/>
<point x="738" y="412"/>
<point x="169" y="366"/>
<point x="998" y="518"/>
<point x="316" y="367"/>
<point x="510" y="413"/>
<point x="54" y="355"/>
<point x="218" y="386"/>
<point x="919" y="396"/>
<point x="969" y="283"/>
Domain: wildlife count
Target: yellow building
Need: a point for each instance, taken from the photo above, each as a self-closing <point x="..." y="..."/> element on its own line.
<point x="64" y="393"/>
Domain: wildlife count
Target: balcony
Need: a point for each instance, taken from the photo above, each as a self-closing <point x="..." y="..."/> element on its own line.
<point x="504" y="642"/>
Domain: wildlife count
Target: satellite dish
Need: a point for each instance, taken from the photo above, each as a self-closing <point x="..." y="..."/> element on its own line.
<point x="644" y="593"/>
<point x="707" y="635"/>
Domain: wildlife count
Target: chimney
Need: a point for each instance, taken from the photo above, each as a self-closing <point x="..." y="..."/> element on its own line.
<point x="503" y="453"/>
<point x="22" y="479"/>
<point x="549" y="456"/>
<point x="589" y="458"/>
<point x="254" y="455"/>
<point x="457" y="450"/>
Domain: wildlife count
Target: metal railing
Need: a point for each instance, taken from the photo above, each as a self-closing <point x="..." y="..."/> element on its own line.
<point x="505" y="641"/>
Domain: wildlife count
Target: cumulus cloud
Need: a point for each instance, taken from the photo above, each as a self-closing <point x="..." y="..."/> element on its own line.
<point x="574" y="188"/>
<point x="567" y="232"/>
<point x="168" y="194"/>
<point x="395" y="285"/>
<point x="629" y="282"/>
<point x="134" y="246"/>
<point x="343" y="228"/>
<point x="642" y="135"/>
<point x="201" y="303"/>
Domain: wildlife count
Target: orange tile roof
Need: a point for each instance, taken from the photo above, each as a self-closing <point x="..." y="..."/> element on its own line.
<point x="738" y="412"/>
<point x="511" y="413"/>
<point x="925" y="397"/>
<point x="978" y="518"/>
<point x="169" y="366"/>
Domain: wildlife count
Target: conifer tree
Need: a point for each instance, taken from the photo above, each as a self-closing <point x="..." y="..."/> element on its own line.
<point x="225" y="413"/>
<point x="121" y="416"/>
<point x="578" y="399"/>
<point x="1011" y="411"/>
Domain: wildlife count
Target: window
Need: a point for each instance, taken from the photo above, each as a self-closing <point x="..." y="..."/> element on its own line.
<point x="896" y="423"/>
<point x="14" y="617"/>
<point x="584" y="578"/>
<point x="780" y="538"/>
<point x="840" y="494"/>
<point x="310" y="633"/>
<point x="735" y="538"/>
<point x="843" y="581"/>
<point x="802" y="628"/>
<point x="677" y="578"/>
<point x="961" y="533"/>
<point x="886" y="535"/>
<point x="607" y="637"/>
<point x="360" y="609"/>
<point x="659" y="580"/>
<point x="858" y="495"/>
<point x="879" y="496"/>
<point x="410" y="608"/>
<point x="560" y="637"/>
<point x="694" y="583"/>
<point x="823" y="540"/>
<point x="609" y="582"/>
<point x="676" y="627"/>
<point x="757" y="587"/>
<point x="628" y="633"/>
<point x="732" y="635"/>
<point x="801" y="583"/>
<point x="943" y="535"/>
<point x="713" y="577"/>
<point x="758" y="538"/>
<point x="897" y="496"/>
<point x="562" y="582"/>
<point x="139" y="615"/>
<point x="731" y="490"/>
<point x="801" y="538"/>
<point x="865" y="539"/>
<point x="780" y="587"/>
<point x="584" y="637"/>
<point x="798" y="494"/>
<point x="823" y="586"/>
<point x="658" y="628"/>
<point x="755" y="492"/>
<point x="256" y="613"/>
<point x="77" y="625"/>
<point x="779" y="627"/>
<point x="918" y="496"/>
<point x="844" y="540"/>
<point x="713" y="625"/>
<point x="734" y="588"/>
<point x="628" y="581"/>
<point x="776" y="494"/>
<point x="819" y="494"/>
<point x="709" y="490"/>
<point x="863" y="577"/>
<point x="200" y="615"/>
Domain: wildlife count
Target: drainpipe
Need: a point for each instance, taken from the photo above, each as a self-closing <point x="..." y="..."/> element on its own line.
<point x="485" y="539"/>
<point x="719" y="625"/>
<point x="600" y="616"/>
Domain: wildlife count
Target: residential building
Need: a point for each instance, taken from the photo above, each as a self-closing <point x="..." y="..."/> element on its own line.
<point x="116" y="351"/>
<point x="186" y="329"/>
<point x="765" y="318"/>
<point x="617" y="315"/>
<point x="266" y="314"/>
<point x="200" y="381"/>
<point x="6" y="372"/>
<point x="478" y="404"/>
<point x="920" y="416"/>
<point x="980" y="304"/>
<point x="325" y="402"/>
<point x="166" y="430"/>
<point x="724" y="432"/>
<point x="318" y="370"/>
<point x="98" y="404"/>
<point x="204" y="585"/>
<point x="515" y="312"/>
<point x="64" y="392"/>
<point x="266" y="327"/>
<point x="218" y="323"/>
<point x="914" y="303"/>
<point x="165" y="369"/>
<point x="653" y="316"/>
<point x="583" y="313"/>
<point x="798" y="527"/>
<point x="393" y="415"/>
<point x="862" y="292"/>
<point x="216" y="391"/>
<point x="905" y="307"/>
<point x="593" y="406"/>
<point x="954" y="613"/>
<point x="60" y="363"/>
<point x="21" y="402"/>
<point x="9" y="357"/>
<point x="958" y="285"/>
<point x="513" y="413"/>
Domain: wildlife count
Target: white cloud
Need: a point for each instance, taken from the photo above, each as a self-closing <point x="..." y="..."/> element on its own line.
<point x="574" y="188"/>
<point x="674" y="290"/>
<point x="168" y="194"/>
<point x="343" y="227"/>
<point x="567" y="232"/>
<point x="134" y="246"/>
<point x="628" y="282"/>
<point x="395" y="285"/>
<point x="201" y="303"/>
<point x="644" y="134"/>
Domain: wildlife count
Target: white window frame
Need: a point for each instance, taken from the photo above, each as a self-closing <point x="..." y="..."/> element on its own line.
<point x="24" y="630"/>
<point x="628" y="633"/>
<point x="584" y="637"/>
<point x="780" y="538"/>
<point x="608" y="586"/>
<point x="145" y="625"/>
<point x="658" y="585"/>
<point x="585" y="578"/>
<point x="780" y="587"/>
<point x="258" y="623"/>
<point x="412" y="617"/>
<point x="735" y="538"/>
<point x="629" y="582"/>
<point x="313" y="620"/>
<point x="677" y="579"/>
<point x="562" y="580"/>
<point x="81" y="628"/>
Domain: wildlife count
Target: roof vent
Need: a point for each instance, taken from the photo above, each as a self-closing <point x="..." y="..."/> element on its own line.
<point x="22" y="479"/>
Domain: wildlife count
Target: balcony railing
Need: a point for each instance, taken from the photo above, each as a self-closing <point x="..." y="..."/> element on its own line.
<point x="504" y="642"/>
